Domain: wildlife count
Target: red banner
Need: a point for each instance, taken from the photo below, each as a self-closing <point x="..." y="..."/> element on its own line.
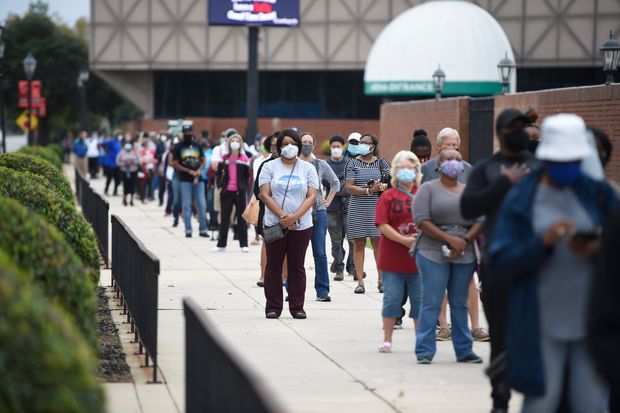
<point x="35" y="86"/>
<point x="41" y="109"/>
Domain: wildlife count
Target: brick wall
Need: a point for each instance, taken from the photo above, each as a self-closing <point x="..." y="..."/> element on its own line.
<point x="598" y="105"/>
<point x="322" y="128"/>
<point x="400" y="119"/>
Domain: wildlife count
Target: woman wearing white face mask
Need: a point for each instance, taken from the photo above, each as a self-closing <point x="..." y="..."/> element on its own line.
<point x="233" y="179"/>
<point x="288" y="188"/>
<point x="128" y="162"/>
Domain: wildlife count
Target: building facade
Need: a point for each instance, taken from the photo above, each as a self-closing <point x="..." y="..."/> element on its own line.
<point x="164" y="57"/>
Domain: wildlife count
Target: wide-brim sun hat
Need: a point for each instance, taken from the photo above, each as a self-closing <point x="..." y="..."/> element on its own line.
<point x="564" y="138"/>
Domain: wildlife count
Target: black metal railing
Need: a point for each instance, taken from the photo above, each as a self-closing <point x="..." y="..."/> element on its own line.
<point x="96" y="211"/>
<point x="216" y="378"/>
<point x="135" y="274"/>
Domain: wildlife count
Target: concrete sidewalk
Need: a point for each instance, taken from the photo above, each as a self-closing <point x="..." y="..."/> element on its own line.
<point x="326" y="363"/>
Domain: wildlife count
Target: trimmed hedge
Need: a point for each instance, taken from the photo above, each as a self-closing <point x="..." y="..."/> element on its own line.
<point x="29" y="191"/>
<point x="45" y="366"/>
<point x="45" y="153"/>
<point x="39" y="248"/>
<point x="57" y="149"/>
<point x="30" y="163"/>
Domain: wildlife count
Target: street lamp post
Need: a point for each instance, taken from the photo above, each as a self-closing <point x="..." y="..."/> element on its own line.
<point x="30" y="64"/>
<point x="505" y="68"/>
<point x="82" y="79"/>
<point x="438" y="80"/>
<point x="2" y="128"/>
<point x="610" y="52"/>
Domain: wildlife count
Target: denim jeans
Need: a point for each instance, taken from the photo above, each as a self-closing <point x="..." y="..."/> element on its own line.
<point x="395" y="286"/>
<point x="319" y="232"/>
<point x="586" y="391"/>
<point x="190" y="191"/>
<point x="436" y="278"/>
<point x="337" y="225"/>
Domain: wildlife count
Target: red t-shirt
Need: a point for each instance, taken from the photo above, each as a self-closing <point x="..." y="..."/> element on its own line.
<point x="395" y="209"/>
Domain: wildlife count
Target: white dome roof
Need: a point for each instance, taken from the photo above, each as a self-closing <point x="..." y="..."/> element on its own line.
<point x="461" y="37"/>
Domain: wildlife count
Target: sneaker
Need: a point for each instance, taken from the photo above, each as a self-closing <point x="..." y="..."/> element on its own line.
<point x="271" y="314"/>
<point x="444" y="334"/>
<point x="245" y="249"/>
<point x="359" y="289"/>
<point x="399" y="324"/>
<point x="424" y="360"/>
<point x="188" y="235"/>
<point x="300" y="316"/>
<point x="472" y="359"/>
<point x="480" y="334"/>
<point x="218" y="249"/>
<point x="175" y="223"/>
<point x="326" y="299"/>
<point x="204" y="235"/>
<point x="385" y="347"/>
<point x="339" y="276"/>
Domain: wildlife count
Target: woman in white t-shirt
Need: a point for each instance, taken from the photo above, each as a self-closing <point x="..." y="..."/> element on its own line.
<point x="288" y="188"/>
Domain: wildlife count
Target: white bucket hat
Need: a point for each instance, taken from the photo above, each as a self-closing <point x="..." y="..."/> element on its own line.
<point x="563" y="139"/>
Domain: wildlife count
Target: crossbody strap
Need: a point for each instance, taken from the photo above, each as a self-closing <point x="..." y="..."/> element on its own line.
<point x="287" y="184"/>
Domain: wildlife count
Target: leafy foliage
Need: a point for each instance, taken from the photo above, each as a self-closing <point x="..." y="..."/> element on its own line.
<point x="26" y="188"/>
<point x="45" y="366"/>
<point x="44" y="153"/>
<point x="29" y="163"/>
<point x="38" y="247"/>
<point x="61" y="52"/>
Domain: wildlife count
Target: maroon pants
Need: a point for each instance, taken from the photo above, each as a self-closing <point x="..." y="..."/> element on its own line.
<point x="293" y="246"/>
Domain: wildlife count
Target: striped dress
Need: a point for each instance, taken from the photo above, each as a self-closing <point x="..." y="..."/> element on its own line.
<point x="361" y="211"/>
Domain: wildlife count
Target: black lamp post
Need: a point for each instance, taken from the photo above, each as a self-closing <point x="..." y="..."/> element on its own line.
<point x="438" y="80"/>
<point x="30" y="64"/>
<point x="2" y="129"/>
<point x="610" y="52"/>
<point x="505" y="68"/>
<point x="82" y="79"/>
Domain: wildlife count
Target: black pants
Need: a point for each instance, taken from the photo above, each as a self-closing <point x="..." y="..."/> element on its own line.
<point x="112" y="173"/>
<point x="495" y="300"/>
<point x="93" y="167"/>
<point x="228" y="199"/>
<point x="161" y="188"/>
<point x="129" y="183"/>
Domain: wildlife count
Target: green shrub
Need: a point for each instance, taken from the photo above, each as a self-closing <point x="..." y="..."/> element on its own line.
<point x="29" y="191"/>
<point x="25" y="162"/>
<point x="38" y="247"/>
<point x="44" y="153"/>
<point x="45" y="365"/>
<point x="57" y="149"/>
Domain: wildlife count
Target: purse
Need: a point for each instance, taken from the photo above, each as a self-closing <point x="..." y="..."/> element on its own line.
<point x="250" y="214"/>
<point x="275" y="232"/>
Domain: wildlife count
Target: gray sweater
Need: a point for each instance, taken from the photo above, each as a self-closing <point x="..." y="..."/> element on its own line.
<point x="326" y="174"/>
<point x="435" y="203"/>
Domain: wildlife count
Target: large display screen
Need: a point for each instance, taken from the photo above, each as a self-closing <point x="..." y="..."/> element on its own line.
<point x="254" y="12"/>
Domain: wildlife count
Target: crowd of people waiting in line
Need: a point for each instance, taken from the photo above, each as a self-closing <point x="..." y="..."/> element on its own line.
<point x="536" y="223"/>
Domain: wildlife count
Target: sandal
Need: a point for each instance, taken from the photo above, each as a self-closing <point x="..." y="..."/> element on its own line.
<point x="260" y="283"/>
<point x="385" y="347"/>
<point x="359" y="289"/>
<point x="380" y="287"/>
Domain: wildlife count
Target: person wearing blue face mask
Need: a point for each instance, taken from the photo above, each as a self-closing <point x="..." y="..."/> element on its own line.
<point x="394" y="218"/>
<point x="366" y="176"/>
<point x="546" y="240"/>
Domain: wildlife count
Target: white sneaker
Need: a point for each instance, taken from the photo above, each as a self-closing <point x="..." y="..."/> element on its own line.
<point x="218" y="249"/>
<point x="245" y="249"/>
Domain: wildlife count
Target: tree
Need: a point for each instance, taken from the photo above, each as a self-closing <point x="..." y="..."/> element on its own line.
<point x="61" y="52"/>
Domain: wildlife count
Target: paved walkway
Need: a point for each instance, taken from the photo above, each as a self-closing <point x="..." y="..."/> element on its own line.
<point x="326" y="363"/>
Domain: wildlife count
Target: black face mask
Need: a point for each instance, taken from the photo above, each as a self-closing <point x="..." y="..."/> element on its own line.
<point x="532" y="146"/>
<point x="517" y="140"/>
<point x="187" y="139"/>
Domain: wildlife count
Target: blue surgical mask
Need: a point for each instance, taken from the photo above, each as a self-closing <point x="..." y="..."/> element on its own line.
<point x="353" y="149"/>
<point x="363" y="149"/>
<point x="563" y="173"/>
<point x="405" y="176"/>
